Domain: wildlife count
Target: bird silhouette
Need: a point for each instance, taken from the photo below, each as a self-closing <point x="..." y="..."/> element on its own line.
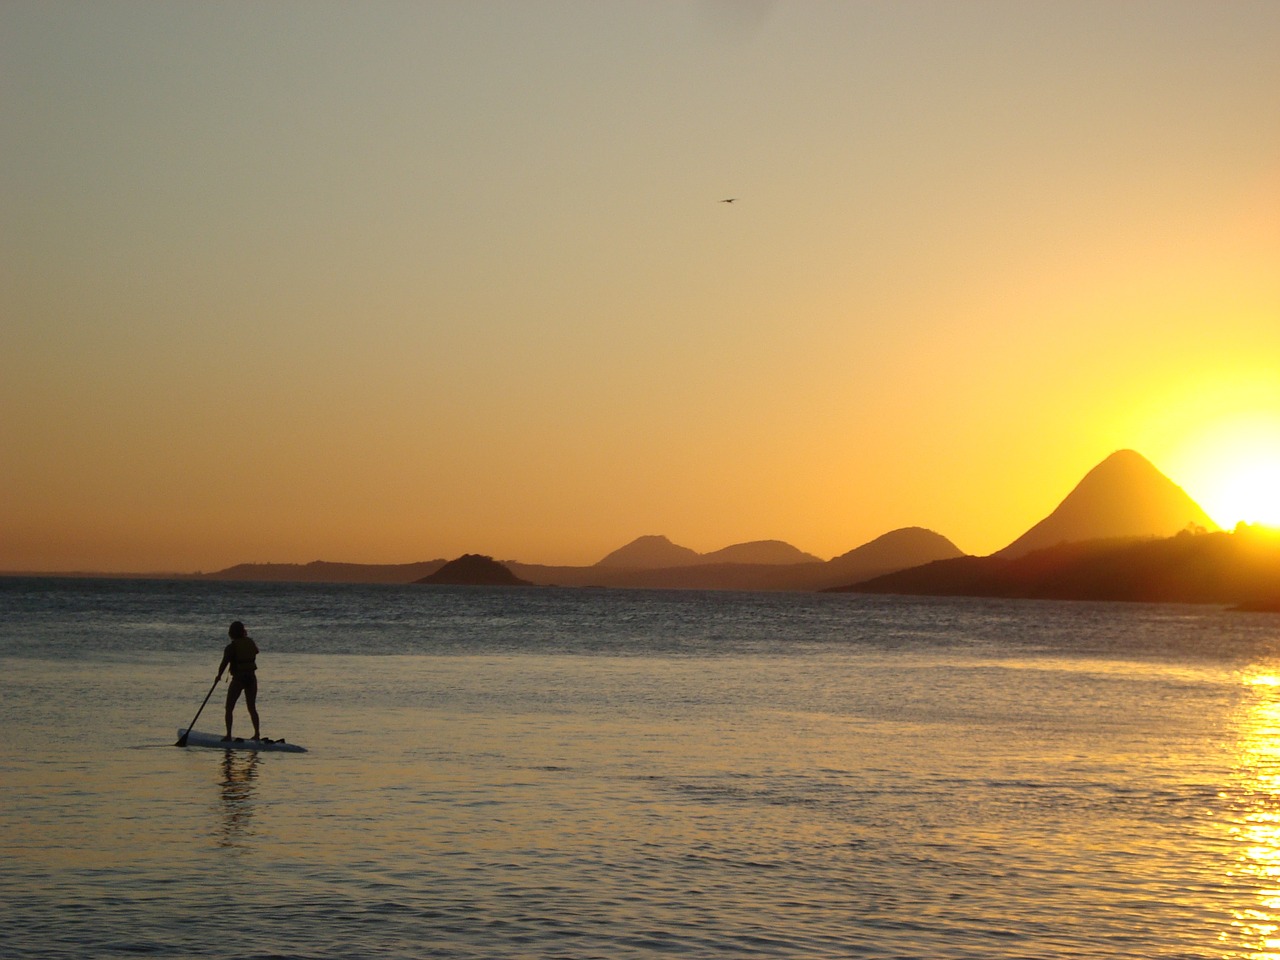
<point x="729" y="200"/>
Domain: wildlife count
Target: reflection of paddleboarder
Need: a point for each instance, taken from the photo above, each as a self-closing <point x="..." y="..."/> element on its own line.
<point x="241" y="656"/>
<point x="239" y="771"/>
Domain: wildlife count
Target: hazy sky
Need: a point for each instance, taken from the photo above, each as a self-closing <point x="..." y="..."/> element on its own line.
<point x="383" y="282"/>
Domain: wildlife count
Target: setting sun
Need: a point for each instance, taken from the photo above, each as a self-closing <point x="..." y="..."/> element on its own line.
<point x="1240" y="476"/>
<point x="1251" y="494"/>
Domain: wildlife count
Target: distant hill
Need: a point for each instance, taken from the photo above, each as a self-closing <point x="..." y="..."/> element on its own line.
<point x="896" y="550"/>
<point x="649" y="553"/>
<point x="1241" y="568"/>
<point x="893" y="551"/>
<point x="321" y="571"/>
<point x="659" y="553"/>
<point x="1123" y="496"/>
<point x="650" y="562"/>
<point x="760" y="551"/>
<point x="473" y="569"/>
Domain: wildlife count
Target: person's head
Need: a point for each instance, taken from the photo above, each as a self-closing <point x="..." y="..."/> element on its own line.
<point x="237" y="631"/>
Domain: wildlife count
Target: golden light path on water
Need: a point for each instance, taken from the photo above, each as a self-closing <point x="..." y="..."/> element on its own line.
<point x="1256" y="828"/>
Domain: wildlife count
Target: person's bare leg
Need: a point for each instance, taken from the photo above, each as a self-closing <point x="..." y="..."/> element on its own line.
<point x="233" y="694"/>
<point x="251" y="701"/>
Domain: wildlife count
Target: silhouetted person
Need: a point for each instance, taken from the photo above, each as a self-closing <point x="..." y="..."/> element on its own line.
<point x="241" y="655"/>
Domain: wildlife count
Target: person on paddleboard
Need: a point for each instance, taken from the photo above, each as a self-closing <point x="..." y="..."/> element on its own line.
<point x="241" y="655"/>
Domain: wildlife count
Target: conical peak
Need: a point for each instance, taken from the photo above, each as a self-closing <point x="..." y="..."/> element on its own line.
<point x="1123" y="496"/>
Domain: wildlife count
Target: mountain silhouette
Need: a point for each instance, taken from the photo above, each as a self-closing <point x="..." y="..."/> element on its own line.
<point x="659" y="553"/>
<point x="1122" y="501"/>
<point x="1240" y="568"/>
<point x="759" y="551"/>
<point x="693" y="571"/>
<point x="649" y="562"/>
<point x="323" y="571"/>
<point x="650" y="553"/>
<point x="1126" y="532"/>
<point x="895" y="550"/>
<point x="1123" y="496"/>
<point x="473" y="569"/>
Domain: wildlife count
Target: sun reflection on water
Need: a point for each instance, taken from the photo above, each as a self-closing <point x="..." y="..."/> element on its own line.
<point x="1256" y="824"/>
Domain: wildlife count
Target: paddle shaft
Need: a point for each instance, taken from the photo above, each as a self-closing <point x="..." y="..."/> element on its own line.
<point x="182" y="740"/>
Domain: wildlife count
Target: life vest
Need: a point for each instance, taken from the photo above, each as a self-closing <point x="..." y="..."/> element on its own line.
<point x="242" y="656"/>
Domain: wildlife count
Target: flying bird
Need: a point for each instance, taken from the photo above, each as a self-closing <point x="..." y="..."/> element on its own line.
<point x="729" y="200"/>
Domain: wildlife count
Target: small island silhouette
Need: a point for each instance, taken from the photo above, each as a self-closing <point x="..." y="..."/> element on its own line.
<point x="475" y="570"/>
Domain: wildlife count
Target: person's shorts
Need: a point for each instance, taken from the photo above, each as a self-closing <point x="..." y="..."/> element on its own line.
<point x="245" y="682"/>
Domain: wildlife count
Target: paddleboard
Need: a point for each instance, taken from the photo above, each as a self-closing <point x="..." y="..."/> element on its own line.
<point x="197" y="739"/>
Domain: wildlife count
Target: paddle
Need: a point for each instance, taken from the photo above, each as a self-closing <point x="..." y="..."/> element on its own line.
<point x="182" y="740"/>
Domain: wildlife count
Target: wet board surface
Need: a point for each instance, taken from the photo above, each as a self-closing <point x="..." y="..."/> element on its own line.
<point x="197" y="739"/>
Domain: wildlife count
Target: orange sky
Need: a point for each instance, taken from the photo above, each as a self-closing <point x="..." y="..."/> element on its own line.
<point x="389" y="282"/>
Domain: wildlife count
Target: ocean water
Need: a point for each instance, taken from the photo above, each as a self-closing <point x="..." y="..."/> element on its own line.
<point x="578" y="773"/>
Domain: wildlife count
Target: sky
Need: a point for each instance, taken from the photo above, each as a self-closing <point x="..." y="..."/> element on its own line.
<point x="394" y="281"/>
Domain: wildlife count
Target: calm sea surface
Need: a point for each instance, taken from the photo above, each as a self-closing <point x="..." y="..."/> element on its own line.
<point x="549" y="773"/>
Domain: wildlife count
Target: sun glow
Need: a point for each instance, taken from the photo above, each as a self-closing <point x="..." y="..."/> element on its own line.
<point x="1252" y="495"/>
<point x="1248" y="490"/>
<point x="1235" y="473"/>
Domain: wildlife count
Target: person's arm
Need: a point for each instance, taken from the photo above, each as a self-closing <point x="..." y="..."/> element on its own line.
<point x="226" y="659"/>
